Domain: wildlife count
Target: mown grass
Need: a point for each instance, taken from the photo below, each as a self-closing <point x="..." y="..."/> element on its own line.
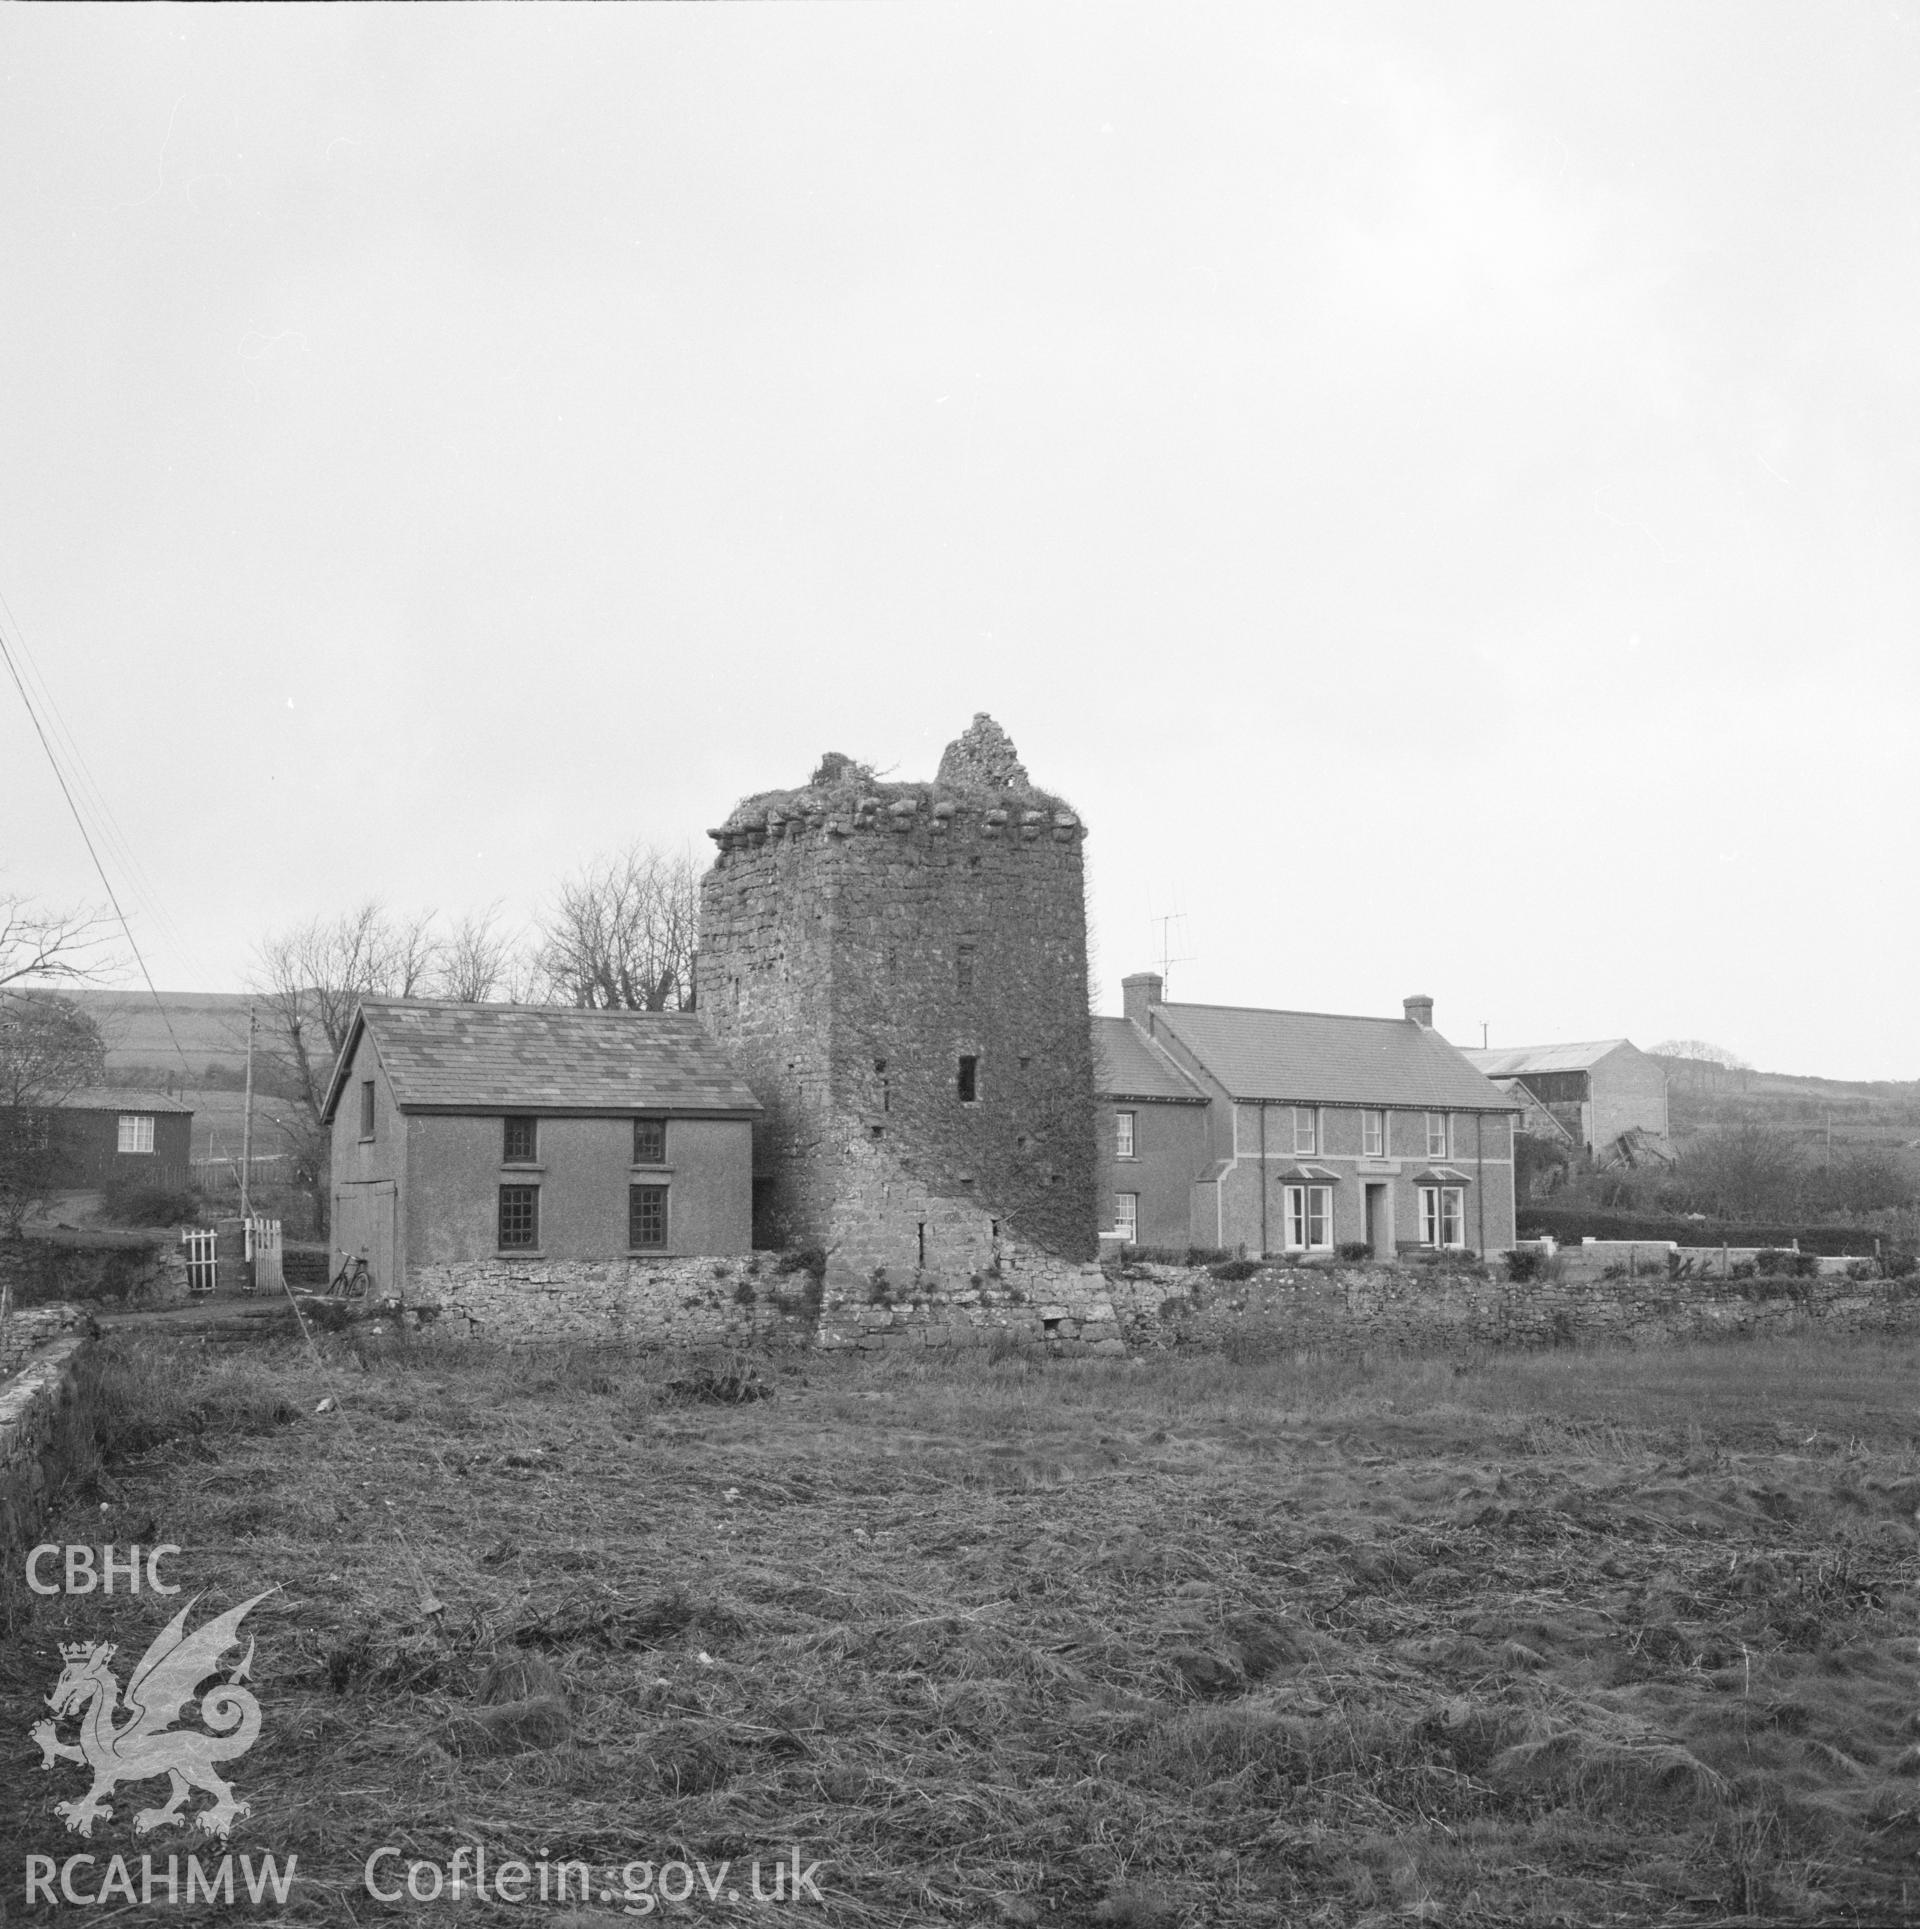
<point x="1575" y="1637"/>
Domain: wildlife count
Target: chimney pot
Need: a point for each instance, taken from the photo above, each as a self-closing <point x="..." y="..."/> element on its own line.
<point x="1419" y="1008"/>
<point x="1138" y="993"/>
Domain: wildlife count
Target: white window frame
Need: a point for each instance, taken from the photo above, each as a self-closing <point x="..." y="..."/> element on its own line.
<point x="1439" y="1135"/>
<point x="1126" y="1217"/>
<point x="1306" y="1210"/>
<point x="1443" y="1210"/>
<point x="1125" y="1134"/>
<point x="1306" y="1130"/>
<point x="136" y="1132"/>
<point x="1373" y="1135"/>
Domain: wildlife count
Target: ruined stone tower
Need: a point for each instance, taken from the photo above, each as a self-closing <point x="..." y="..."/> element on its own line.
<point x="900" y="970"/>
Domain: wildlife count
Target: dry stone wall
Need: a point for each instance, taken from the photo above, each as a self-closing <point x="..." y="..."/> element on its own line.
<point x="1026" y="1297"/>
<point x="659" y="1302"/>
<point x="1020" y="1295"/>
<point x="1436" y="1310"/>
<point x="46" y="1431"/>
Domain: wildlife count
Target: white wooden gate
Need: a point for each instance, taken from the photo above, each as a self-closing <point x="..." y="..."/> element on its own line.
<point x="203" y="1263"/>
<point x="263" y="1249"/>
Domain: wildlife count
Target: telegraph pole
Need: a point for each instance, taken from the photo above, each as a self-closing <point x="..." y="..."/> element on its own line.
<point x="246" y="1130"/>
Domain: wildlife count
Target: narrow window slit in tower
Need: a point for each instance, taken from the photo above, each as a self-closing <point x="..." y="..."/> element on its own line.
<point x="969" y="1081"/>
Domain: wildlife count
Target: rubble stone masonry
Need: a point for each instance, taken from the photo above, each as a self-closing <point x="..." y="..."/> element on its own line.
<point x="46" y="1428"/>
<point x="1440" y="1310"/>
<point x="900" y="971"/>
<point x="653" y="1302"/>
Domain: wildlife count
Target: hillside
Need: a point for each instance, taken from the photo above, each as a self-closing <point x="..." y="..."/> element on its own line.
<point x="210" y="1028"/>
<point x="1858" y="1112"/>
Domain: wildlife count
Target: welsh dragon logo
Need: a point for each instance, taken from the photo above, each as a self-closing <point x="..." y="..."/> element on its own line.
<point x="146" y="1744"/>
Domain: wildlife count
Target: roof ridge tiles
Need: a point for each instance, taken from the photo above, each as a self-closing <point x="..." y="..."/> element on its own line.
<point x="1288" y="1011"/>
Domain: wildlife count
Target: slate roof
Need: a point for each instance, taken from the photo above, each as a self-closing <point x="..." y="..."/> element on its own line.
<point x="1128" y="1064"/>
<point x="113" y="1098"/>
<point x="1515" y="1061"/>
<point x="1318" y="1058"/>
<point x="541" y="1058"/>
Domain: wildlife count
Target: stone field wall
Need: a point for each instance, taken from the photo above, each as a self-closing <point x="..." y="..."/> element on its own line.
<point x="1025" y="1297"/>
<point x="46" y="1431"/>
<point x="1438" y="1310"/>
<point x="1028" y="1298"/>
<point x="661" y="1302"/>
<point x="134" y="1268"/>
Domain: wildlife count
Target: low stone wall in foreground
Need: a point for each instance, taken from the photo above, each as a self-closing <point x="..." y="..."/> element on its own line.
<point x="46" y="1431"/>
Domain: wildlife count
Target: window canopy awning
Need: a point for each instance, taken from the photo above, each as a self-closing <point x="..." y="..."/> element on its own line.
<point x="1442" y="1175"/>
<point x="1299" y="1174"/>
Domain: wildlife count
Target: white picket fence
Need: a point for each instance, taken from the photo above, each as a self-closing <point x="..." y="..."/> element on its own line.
<point x="263" y="1268"/>
<point x="203" y="1260"/>
<point x="263" y="1248"/>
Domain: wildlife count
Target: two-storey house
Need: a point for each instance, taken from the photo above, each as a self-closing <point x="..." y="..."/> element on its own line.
<point x="563" y="1137"/>
<point x="1298" y="1132"/>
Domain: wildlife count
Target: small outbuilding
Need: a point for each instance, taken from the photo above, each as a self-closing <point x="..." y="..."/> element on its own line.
<point x="119" y="1136"/>
<point x="1604" y="1097"/>
<point x="562" y="1138"/>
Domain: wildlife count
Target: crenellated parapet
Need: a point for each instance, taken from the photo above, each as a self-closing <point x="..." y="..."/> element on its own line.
<point x="897" y="810"/>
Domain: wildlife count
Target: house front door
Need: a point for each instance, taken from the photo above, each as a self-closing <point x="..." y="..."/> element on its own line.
<point x="1380" y="1221"/>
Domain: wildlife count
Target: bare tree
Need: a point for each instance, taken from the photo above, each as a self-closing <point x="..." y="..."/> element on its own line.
<point x="623" y="932"/>
<point x="1704" y="1066"/>
<point x="49" y="1047"/>
<point x="312" y="978"/>
<point x="477" y="960"/>
<point x="1749" y="1171"/>
<point x="49" y="947"/>
<point x="1704" y="1053"/>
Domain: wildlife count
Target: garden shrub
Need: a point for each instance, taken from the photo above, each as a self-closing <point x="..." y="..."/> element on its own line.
<point x="1354" y="1251"/>
<point x="150" y="1205"/>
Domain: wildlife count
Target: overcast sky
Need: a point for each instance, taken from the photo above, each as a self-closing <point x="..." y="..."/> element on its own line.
<point x="1436" y="488"/>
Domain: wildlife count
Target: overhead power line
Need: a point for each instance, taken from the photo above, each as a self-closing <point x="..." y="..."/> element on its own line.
<point x="88" y="793"/>
<point x="106" y="883"/>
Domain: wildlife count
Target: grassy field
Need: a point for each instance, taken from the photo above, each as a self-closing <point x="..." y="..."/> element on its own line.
<point x="1573" y="1638"/>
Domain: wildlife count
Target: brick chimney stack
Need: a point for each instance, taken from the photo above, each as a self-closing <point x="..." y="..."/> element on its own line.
<point x="1138" y="993"/>
<point x="1419" y="1008"/>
